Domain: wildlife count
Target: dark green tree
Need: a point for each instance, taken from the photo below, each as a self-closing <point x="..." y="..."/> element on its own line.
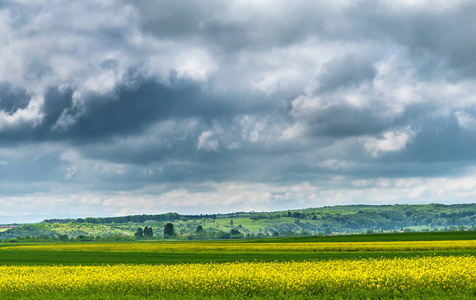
<point x="169" y="230"/>
<point x="63" y="237"/>
<point x="139" y="233"/>
<point x="200" y="229"/>
<point x="224" y="235"/>
<point x="236" y="234"/>
<point x="148" y="232"/>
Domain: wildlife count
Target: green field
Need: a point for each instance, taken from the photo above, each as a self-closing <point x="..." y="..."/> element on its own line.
<point x="243" y="252"/>
<point x="11" y="256"/>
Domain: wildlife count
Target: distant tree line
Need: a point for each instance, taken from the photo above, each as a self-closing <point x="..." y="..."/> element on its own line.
<point x="133" y="219"/>
<point x="125" y="219"/>
<point x="385" y="217"/>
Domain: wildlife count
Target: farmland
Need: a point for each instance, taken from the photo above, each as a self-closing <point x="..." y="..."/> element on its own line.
<point x="373" y="277"/>
<point x="292" y="268"/>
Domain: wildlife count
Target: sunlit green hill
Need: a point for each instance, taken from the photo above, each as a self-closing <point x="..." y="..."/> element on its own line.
<point x="323" y="221"/>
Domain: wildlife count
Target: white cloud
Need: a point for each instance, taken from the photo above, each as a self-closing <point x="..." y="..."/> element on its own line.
<point x="196" y="65"/>
<point x="32" y="115"/>
<point x="359" y="183"/>
<point x="81" y="168"/>
<point x="434" y="6"/>
<point x="109" y="168"/>
<point x="229" y="196"/>
<point x="252" y="128"/>
<point x="294" y="131"/>
<point x="70" y="172"/>
<point x="391" y="141"/>
<point x="335" y="164"/>
<point x="465" y="120"/>
<point x="207" y="142"/>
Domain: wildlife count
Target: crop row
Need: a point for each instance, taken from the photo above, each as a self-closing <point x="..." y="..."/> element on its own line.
<point x="398" y="275"/>
<point x="237" y="246"/>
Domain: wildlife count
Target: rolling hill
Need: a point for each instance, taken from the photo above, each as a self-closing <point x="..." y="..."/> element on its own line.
<point x="312" y="221"/>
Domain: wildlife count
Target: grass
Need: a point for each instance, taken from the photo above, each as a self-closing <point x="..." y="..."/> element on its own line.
<point x="378" y="237"/>
<point x="113" y="258"/>
<point x="11" y="255"/>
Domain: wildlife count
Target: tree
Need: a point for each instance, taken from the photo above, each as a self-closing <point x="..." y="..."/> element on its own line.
<point x="236" y="234"/>
<point x="63" y="237"/>
<point x="199" y="229"/>
<point x="148" y="232"/>
<point x="169" y="230"/>
<point x="224" y="235"/>
<point x="139" y="233"/>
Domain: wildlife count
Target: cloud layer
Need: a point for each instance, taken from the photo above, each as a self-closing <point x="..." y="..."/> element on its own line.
<point x="121" y="107"/>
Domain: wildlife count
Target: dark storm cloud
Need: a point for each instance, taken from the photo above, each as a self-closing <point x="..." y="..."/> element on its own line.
<point x="436" y="37"/>
<point x="12" y="99"/>
<point x="346" y="72"/>
<point x="126" y="112"/>
<point x="132" y="110"/>
<point x="292" y="101"/>
<point x="344" y="121"/>
<point x="438" y="32"/>
<point x="442" y="140"/>
<point x="228" y="28"/>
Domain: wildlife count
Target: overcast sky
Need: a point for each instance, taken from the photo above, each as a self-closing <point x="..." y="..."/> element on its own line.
<point x="143" y="107"/>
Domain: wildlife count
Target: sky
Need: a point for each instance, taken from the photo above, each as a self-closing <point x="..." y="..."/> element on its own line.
<point x="145" y="107"/>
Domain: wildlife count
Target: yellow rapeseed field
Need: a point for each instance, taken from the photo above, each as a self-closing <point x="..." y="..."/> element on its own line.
<point x="252" y="278"/>
<point x="238" y="246"/>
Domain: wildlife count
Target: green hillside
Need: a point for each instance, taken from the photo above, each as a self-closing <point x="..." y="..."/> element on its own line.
<point x="322" y="221"/>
